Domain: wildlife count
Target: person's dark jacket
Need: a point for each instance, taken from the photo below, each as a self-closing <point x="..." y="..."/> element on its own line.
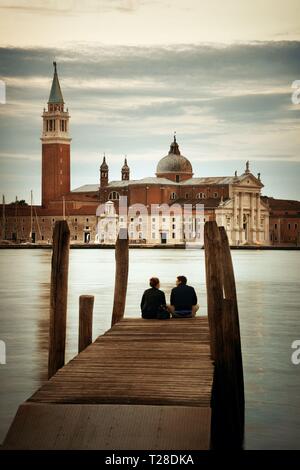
<point x="183" y="297"/>
<point x="151" y="302"/>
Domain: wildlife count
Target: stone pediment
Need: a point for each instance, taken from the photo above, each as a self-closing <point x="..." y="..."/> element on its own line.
<point x="248" y="179"/>
<point x="228" y="204"/>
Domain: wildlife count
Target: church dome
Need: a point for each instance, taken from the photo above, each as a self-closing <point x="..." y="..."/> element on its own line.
<point x="174" y="162"/>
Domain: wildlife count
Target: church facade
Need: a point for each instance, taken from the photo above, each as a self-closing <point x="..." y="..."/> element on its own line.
<point x="169" y="207"/>
<point x="188" y="201"/>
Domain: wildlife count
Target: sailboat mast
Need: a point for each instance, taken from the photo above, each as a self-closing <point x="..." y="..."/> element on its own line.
<point x="64" y="208"/>
<point x="3" y="218"/>
<point x="16" y="218"/>
<point x="31" y="216"/>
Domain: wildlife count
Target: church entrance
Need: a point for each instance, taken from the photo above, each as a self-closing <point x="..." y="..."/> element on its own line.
<point x="87" y="237"/>
<point x="246" y="227"/>
<point x="163" y="237"/>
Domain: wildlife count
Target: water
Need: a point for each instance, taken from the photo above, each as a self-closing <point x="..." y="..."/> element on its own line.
<point x="268" y="288"/>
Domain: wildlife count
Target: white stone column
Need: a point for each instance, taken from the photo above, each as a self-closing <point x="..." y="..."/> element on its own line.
<point x="252" y="220"/>
<point x="234" y="211"/>
<point x="267" y="229"/>
<point x="252" y="206"/>
<point x="220" y="218"/>
<point x="148" y="228"/>
<point x="258" y="227"/>
<point x="241" y="215"/>
<point x="235" y="226"/>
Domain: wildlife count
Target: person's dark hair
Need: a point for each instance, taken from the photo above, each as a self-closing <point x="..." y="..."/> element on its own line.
<point x="182" y="279"/>
<point x="154" y="281"/>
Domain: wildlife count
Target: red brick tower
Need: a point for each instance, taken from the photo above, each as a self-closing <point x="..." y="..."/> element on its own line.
<point x="55" y="146"/>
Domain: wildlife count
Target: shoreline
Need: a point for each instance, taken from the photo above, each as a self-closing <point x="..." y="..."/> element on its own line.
<point x="79" y="246"/>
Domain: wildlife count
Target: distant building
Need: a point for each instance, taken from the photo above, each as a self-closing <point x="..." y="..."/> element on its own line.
<point x="284" y="221"/>
<point x="92" y="211"/>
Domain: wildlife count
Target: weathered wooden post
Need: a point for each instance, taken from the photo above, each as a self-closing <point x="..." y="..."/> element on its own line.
<point x="58" y="296"/>
<point x="233" y="349"/>
<point x="86" y="305"/>
<point x="121" y="276"/>
<point x="214" y="287"/>
<point x="227" y="423"/>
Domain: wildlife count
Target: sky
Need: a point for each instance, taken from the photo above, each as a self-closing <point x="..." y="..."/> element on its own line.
<point x="132" y="72"/>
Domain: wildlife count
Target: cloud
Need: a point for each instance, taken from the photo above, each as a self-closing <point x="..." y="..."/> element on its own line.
<point x="227" y="103"/>
<point x="256" y="107"/>
<point x="73" y="7"/>
<point x="206" y="63"/>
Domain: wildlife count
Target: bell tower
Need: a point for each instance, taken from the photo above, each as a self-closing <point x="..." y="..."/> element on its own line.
<point x="55" y="146"/>
<point x="103" y="173"/>
<point x="125" y="171"/>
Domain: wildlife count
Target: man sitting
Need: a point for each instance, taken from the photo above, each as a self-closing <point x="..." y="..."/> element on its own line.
<point x="183" y="300"/>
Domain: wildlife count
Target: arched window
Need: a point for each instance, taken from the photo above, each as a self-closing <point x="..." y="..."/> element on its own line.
<point x="173" y="196"/>
<point x="63" y="126"/>
<point x="113" y="196"/>
<point x="200" y="196"/>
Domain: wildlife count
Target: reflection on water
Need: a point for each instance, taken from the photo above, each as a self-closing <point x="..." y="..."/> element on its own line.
<point x="269" y="296"/>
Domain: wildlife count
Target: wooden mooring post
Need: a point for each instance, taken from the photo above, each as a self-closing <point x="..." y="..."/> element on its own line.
<point x="58" y="296"/>
<point x="228" y="403"/>
<point x="86" y="305"/>
<point x="121" y="276"/>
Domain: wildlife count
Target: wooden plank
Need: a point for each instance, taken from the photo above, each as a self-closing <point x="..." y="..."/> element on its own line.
<point x="154" y="371"/>
<point x="107" y="427"/>
<point x="142" y="385"/>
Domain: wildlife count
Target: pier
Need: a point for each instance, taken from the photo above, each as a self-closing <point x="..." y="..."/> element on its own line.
<point x="145" y="384"/>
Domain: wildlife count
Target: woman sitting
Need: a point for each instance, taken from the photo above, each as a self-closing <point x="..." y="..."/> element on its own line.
<point x="153" y="303"/>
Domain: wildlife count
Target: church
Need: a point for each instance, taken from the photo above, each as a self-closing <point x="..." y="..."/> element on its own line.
<point x="233" y="201"/>
<point x="155" y="204"/>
